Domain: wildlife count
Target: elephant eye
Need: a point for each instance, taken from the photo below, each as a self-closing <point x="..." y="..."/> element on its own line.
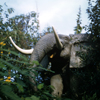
<point x="51" y="56"/>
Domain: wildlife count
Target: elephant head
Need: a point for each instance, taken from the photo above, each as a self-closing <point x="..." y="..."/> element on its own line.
<point x="63" y="50"/>
<point x="58" y="45"/>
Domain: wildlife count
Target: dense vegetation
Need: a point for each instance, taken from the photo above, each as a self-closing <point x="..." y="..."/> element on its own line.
<point x="15" y="67"/>
<point x="91" y="59"/>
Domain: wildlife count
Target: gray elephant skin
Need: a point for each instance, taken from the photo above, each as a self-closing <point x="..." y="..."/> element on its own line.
<point x="64" y="57"/>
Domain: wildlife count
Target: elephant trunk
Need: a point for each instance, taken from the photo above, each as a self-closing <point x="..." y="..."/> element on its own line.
<point x="46" y="44"/>
<point x="42" y="48"/>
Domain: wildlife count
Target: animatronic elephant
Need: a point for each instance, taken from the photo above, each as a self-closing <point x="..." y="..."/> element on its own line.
<point x="64" y="51"/>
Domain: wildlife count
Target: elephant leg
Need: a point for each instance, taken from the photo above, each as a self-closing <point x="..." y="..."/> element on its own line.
<point x="57" y="83"/>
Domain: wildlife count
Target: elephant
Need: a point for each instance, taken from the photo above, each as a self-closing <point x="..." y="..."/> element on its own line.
<point x="64" y="56"/>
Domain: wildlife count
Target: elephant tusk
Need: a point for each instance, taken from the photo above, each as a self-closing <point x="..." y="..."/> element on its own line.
<point x="59" y="44"/>
<point x="19" y="49"/>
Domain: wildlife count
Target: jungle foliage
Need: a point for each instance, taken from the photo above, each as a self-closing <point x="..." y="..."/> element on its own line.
<point x="15" y="67"/>
<point x="91" y="59"/>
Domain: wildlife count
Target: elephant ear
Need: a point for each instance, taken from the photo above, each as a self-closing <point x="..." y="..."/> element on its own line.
<point x="79" y="44"/>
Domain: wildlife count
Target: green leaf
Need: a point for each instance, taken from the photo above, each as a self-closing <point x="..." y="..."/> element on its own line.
<point x="28" y="98"/>
<point x="2" y="66"/>
<point x="35" y="62"/>
<point x="20" y="82"/>
<point x="40" y="86"/>
<point x="3" y="73"/>
<point x="18" y="61"/>
<point x="7" y="91"/>
<point x="10" y="10"/>
<point x="44" y="69"/>
<point x="47" y="94"/>
<point x="32" y="98"/>
<point x="20" y="87"/>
